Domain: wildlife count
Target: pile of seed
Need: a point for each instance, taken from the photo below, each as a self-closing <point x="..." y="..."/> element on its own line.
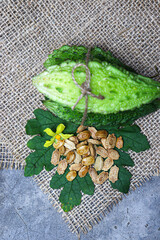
<point x="90" y="151"/>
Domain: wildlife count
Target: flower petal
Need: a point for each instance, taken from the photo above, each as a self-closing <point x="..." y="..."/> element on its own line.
<point x="48" y="143"/>
<point x="65" y="136"/>
<point x="60" y="128"/>
<point x="49" y="132"/>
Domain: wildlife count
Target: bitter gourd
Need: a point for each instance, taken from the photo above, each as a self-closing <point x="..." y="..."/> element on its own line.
<point x="78" y="54"/>
<point x="122" y="88"/>
<point x="96" y="119"/>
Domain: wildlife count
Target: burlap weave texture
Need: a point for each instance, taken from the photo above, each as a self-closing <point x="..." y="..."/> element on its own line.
<point x="30" y="31"/>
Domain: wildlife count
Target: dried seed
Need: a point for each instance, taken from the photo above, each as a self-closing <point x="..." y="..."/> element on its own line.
<point x="70" y="157"/>
<point x="92" y="150"/>
<point x="102" y="152"/>
<point x="83" y="171"/>
<point x="84" y="135"/>
<point x="55" y="157"/>
<point x="113" y="174"/>
<point x="58" y="144"/>
<point x="83" y="150"/>
<point x="107" y="164"/>
<point x="75" y="166"/>
<point x="119" y="142"/>
<point x="71" y="175"/>
<point x="113" y="154"/>
<point x="77" y="158"/>
<point x="93" y="132"/>
<point x="81" y="144"/>
<point x="88" y="161"/>
<point x="62" y="150"/>
<point x="81" y="128"/>
<point x="86" y="155"/>
<point x="98" y="163"/>
<point x="110" y="142"/>
<point x="94" y="141"/>
<point x="101" y="134"/>
<point x="74" y="139"/>
<point x="62" y="167"/>
<point x="95" y="146"/>
<point x="104" y="143"/>
<point x="69" y="144"/>
<point x="93" y="174"/>
<point x="66" y="151"/>
<point x="102" y="177"/>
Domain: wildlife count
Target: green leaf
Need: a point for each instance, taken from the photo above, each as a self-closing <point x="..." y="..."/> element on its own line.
<point x="123" y="182"/>
<point x="32" y="168"/>
<point x="42" y="156"/>
<point x="36" y="143"/>
<point x="33" y="127"/>
<point x="45" y="119"/>
<point x="86" y="184"/>
<point x="71" y="194"/>
<point x="38" y="159"/>
<point x="124" y="159"/>
<point x="132" y="137"/>
<point x="59" y="181"/>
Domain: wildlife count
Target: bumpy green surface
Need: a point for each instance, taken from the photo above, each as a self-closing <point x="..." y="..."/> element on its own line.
<point x="97" y="119"/>
<point x="122" y="90"/>
<point x="78" y="54"/>
<point x="75" y="53"/>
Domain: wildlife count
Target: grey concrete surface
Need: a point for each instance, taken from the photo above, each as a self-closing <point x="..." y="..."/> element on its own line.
<point x="26" y="213"/>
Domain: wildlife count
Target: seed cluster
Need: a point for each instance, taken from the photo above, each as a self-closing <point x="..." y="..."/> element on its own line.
<point x="90" y="151"/>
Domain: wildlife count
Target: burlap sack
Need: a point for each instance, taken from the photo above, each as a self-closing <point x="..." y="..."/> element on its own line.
<point x="30" y="31"/>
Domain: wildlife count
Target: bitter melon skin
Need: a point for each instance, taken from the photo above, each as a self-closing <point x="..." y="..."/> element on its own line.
<point x="95" y="119"/>
<point x="122" y="89"/>
<point x="78" y="54"/>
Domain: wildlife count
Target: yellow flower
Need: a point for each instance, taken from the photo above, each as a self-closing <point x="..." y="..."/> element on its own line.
<point x="57" y="135"/>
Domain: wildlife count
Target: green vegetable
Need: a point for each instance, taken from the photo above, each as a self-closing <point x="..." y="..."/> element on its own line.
<point x="71" y="193"/>
<point x="75" y="53"/>
<point x="78" y="54"/>
<point x="122" y="89"/>
<point x="128" y="96"/>
<point x="97" y="119"/>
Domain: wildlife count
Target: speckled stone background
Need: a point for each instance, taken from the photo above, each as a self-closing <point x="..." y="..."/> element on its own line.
<point x="26" y="213"/>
